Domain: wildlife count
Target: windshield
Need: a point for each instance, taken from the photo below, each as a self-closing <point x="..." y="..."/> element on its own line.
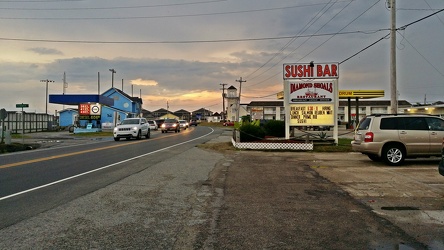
<point x="170" y="121"/>
<point x="130" y="121"/>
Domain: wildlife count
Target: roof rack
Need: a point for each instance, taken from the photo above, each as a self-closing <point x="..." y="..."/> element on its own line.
<point x="407" y="114"/>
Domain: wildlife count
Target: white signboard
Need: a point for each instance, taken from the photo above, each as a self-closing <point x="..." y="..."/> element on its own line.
<point x="311" y="95"/>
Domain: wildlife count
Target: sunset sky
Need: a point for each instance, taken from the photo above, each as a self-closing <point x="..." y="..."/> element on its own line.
<point x="181" y="51"/>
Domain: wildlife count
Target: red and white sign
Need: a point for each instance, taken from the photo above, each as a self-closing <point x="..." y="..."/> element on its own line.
<point x="305" y="71"/>
<point x="89" y="109"/>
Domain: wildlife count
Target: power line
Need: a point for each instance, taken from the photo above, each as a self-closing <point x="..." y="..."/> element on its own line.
<point x="161" y="16"/>
<point x="105" y="8"/>
<point x="186" y="41"/>
<point x="308" y="25"/>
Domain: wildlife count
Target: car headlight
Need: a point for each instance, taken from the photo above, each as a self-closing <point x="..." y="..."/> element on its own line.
<point x="134" y="128"/>
<point x="174" y="125"/>
<point x="116" y="129"/>
<point x="163" y="125"/>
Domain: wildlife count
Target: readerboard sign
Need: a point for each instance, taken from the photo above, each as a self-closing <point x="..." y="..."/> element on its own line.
<point x="89" y="111"/>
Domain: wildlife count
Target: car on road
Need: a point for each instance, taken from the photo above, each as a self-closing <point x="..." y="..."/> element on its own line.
<point x="183" y="124"/>
<point x="132" y="128"/>
<point x="153" y="125"/>
<point x="394" y="137"/>
<point x="170" y="125"/>
<point x="192" y="123"/>
<point x="159" y="122"/>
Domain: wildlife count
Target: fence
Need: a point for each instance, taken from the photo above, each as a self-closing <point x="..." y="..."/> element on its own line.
<point x="18" y="122"/>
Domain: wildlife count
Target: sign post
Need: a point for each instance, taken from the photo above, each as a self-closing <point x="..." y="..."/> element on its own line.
<point x="23" y="105"/>
<point x="311" y="95"/>
<point x="3" y="115"/>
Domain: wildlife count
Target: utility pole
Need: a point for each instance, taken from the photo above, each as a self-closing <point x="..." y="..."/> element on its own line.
<point x="239" y="99"/>
<point x="223" y="100"/>
<point x="98" y="83"/>
<point x="47" y="81"/>
<point x="65" y="85"/>
<point x="112" y="77"/>
<point x="122" y="85"/>
<point x="168" y="106"/>
<point x="393" y="90"/>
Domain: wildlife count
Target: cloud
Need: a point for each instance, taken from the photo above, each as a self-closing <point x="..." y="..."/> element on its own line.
<point x="142" y="82"/>
<point x="45" y="51"/>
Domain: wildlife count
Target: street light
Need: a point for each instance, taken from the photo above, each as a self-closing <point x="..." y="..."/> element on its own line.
<point x="112" y="77"/>
<point x="47" y="81"/>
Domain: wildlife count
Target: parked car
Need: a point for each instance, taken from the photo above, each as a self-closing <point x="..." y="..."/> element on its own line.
<point x="441" y="163"/>
<point x="170" y="125"/>
<point x="132" y="128"/>
<point x="228" y="123"/>
<point x="395" y="137"/>
<point x="183" y="124"/>
<point x="192" y="123"/>
<point x="153" y="125"/>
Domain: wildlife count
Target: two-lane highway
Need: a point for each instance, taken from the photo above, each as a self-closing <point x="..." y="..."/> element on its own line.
<point x="35" y="181"/>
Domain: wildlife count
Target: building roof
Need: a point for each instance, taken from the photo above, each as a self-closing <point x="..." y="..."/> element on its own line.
<point x="267" y="103"/>
<point x="134" y="99"/>
<point x="374" y="103"/>
<point x="76" y="99"/>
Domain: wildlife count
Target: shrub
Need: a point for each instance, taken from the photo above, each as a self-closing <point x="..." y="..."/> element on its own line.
<point x="250" y="132"/>
<point x="275" y="128"/>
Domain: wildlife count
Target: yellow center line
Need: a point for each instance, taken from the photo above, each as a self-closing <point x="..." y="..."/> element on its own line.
<point x="69" y="154"/>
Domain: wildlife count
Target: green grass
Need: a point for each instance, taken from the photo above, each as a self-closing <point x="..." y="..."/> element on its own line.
<point x="344" y="145"/>
<point x="94" y="134"/>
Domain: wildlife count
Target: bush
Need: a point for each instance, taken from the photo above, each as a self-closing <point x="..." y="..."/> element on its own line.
<point x="250" y="132"/>
<point x="275" y="128"/>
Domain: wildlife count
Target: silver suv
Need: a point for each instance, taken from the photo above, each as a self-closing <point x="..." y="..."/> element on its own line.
<point x="132" y="128"/>
<point x="395" y="137"/>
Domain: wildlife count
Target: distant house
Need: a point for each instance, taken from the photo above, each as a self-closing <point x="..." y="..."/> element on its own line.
<point x="201" y="114"/>
<point x="169" y="116"/>
<point x="68" y="117"/>
<point x="159" y="113"/>
<point x="216" y="117"/>
<point x="183" y="114"/>
<point x="147" y="114"/>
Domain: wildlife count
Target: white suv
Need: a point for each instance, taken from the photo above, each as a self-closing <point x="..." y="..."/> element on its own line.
<point x="132" y="128"/>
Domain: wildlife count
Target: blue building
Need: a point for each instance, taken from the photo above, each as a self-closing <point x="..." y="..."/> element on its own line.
<point x="97" y="111"/>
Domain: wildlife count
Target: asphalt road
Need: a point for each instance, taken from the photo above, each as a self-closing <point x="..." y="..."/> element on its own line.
<point x="192" y="198"/>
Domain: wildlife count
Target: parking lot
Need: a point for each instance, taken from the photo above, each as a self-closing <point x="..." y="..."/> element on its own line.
<point x="410" y="196"/>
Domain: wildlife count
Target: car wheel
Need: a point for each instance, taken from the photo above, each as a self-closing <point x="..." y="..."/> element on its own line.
<point x="393" y="154"/>
<point x="148" y="134"/>
<point x="139" y="135"/>
<point x="374" y="157"/>
<point x="116" y="138"/>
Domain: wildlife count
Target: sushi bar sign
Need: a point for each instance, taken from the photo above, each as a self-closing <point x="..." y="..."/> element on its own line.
<point x="311" y="94"/>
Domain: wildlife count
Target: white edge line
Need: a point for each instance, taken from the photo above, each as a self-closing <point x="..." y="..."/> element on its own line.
<point x="101" y="168"/>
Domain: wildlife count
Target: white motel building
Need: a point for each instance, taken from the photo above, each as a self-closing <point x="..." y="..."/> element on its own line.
<point x="351" y="104"/>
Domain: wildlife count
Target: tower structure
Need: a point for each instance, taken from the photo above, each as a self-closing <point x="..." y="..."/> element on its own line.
<point x="232" y="103"/>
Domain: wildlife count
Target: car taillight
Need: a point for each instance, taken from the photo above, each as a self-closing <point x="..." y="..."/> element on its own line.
<point x="368" y="137"/>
